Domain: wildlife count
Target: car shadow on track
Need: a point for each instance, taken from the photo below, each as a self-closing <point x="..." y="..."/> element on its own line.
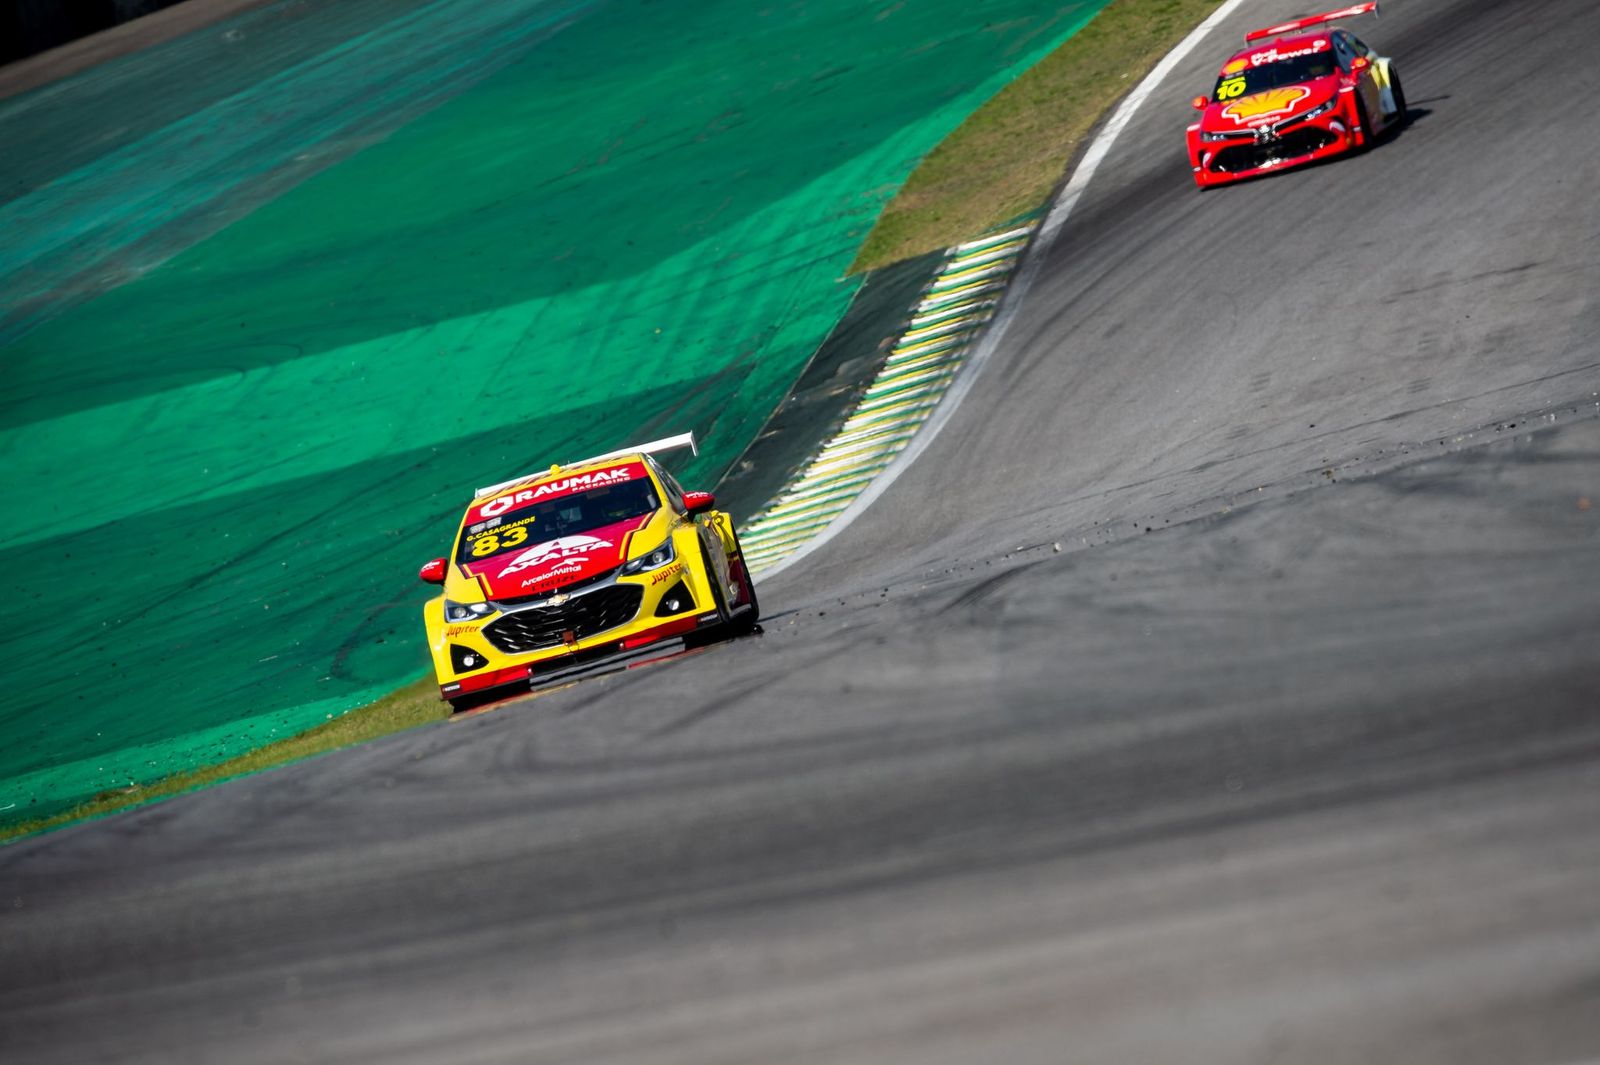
<point x="561" y="679"/>
<point x="1388" y="136"/>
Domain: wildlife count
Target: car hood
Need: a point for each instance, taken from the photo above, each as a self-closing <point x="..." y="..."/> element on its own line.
<point x="1267" y="107"/>
<point x="550" y="565"/>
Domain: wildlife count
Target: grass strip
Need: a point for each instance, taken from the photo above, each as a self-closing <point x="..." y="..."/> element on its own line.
<point x="1009" y="155"/>
<point x="415" y="704"/>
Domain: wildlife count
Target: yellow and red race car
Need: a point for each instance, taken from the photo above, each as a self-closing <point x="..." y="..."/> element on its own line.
<point x="582" y="562"/>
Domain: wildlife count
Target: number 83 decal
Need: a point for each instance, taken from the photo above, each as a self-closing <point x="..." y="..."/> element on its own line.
<point x="489" y="542"/>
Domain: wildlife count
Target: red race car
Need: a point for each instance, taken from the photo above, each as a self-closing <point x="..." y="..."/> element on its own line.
<point x="1294" y="97"/>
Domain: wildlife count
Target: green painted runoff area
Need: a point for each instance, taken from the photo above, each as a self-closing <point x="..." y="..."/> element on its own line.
<point x="276" y="296"/>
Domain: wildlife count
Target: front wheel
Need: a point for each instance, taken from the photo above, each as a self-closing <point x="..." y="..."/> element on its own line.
<point x="712" y="633"/>
<point x="1365" y="122"/>
<point x="745" y="623"/>
<point x="461" y="704"/>
<point x="728" y="625"/>
<point x="1397" y="93"/>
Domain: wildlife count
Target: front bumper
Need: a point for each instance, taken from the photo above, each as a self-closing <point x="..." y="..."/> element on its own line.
<point x="524" y="673"/>
<point x="530" y="637"/>
<point x="1294" y="143"/>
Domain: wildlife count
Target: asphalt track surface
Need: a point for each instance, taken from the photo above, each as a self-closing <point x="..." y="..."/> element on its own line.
<point x="1308" y="772"/>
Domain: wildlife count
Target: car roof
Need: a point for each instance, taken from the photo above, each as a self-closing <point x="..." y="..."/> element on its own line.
<point x="632" y="453"/>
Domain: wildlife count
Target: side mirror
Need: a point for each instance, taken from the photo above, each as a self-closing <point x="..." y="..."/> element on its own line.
<point x="696" y="503"/>
<point x="1360" y="63"/>
<point x="434" y="571"/>
<point x="1200" y="103"/>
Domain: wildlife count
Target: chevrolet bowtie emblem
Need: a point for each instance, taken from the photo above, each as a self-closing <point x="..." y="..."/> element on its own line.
<point x="557" y="599"/>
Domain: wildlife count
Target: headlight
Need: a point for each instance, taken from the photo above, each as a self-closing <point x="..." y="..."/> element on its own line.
<point x="1223" y="136"/>
<point x="654" y="560"/>
<point x="454" y="611"/>
<point x="1320" y="109"/>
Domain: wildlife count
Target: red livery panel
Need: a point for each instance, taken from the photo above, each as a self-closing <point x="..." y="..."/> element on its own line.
<point x="550" y="564"/>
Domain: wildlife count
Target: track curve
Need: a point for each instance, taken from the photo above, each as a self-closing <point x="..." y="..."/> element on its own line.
<point x="1306" y="772"/>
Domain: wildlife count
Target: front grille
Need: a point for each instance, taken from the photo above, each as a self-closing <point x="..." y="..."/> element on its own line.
<point x="1291" y="145"/>
<point x="584" y="615"/>
<point x="548" y="592"/>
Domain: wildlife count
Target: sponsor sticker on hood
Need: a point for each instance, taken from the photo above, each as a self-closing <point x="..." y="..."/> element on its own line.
<point x="1266" y="106"/>
<point x="552" y="564"/>
<point x="568" y="550"/>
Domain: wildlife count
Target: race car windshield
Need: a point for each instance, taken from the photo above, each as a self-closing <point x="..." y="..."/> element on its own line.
<point x="1290" y="71"/>
<point x="549" y="519"/>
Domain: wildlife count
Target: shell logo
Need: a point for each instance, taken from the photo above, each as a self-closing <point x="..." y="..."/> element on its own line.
<point x="1235" y="67"/>
<point x="1262" y="106"/>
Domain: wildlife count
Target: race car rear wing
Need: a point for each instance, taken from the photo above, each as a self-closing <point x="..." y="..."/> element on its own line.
<point x="668" y="443"/>
<point x="1306" y="23"/>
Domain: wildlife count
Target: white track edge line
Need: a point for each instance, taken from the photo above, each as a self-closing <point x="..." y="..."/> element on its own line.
<point x="978" y="357"/>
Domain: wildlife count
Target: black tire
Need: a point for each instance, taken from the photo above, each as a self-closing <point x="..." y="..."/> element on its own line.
<point x="745" y="623"/>
<point x="1365" y="122"/>
<point x="719" y="631"/>
<point x="462" y="703"/>
<point x="1399" y="93"/>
